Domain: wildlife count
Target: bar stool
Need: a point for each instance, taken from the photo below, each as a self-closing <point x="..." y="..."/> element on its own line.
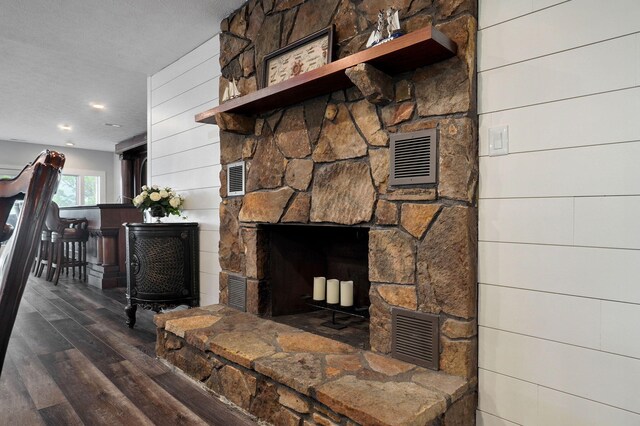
<point x="42" y="256"/>
<point x="68" y="248"/>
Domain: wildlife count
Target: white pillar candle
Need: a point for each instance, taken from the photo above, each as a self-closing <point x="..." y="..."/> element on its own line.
<point x="346" y="293"/>
<point x="333" y="291"/>
<point x="319" y="284"/>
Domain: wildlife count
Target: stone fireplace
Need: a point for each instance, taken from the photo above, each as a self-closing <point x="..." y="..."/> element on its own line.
<point x="319" y="202"/>
<point x="325" y="162"/>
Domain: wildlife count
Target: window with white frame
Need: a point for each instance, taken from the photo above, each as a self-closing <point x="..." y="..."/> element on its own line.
<point x="76" y="188"/>
<point x="80" y="188"/>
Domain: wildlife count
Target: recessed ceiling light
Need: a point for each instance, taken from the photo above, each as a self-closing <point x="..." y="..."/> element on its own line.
<point x="65" y="127"/>
<point x="70" y="144"/>
<point x="113" y="125"/>
<point x="96" y="105"/>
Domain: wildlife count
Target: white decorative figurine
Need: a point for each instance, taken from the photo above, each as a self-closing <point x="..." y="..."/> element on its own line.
<point x="376" y="35"/>
<point x="231" y="91"/>
<point x="388" y="24"/>
<point x="393" y="24"/>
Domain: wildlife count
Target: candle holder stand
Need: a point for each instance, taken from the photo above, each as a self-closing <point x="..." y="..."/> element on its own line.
<point x="336" y="309"/>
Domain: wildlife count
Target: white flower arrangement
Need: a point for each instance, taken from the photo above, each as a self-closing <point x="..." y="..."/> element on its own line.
<point x="161" y="201"/>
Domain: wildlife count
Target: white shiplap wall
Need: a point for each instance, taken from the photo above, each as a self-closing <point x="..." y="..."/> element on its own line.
<point x="559" y="231"/>
<point x="186" y="155"/>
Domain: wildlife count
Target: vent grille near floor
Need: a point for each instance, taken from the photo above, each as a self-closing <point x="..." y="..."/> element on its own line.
<point x="413" y="158"/>
<point x="235" y="178"/>
<point x="415" y="337"/>
<point x="237" y="288"/>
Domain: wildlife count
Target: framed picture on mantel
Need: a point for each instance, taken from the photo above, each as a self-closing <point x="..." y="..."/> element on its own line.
<point x="306" y="54"/>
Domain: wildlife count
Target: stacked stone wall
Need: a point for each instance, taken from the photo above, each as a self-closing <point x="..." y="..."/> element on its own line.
<point x="326" y="161"/>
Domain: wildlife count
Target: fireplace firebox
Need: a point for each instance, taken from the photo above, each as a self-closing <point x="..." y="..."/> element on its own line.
<point x="297" y="254"/>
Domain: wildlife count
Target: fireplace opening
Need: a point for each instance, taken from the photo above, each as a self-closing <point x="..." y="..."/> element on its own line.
<point x="297" y="254"/>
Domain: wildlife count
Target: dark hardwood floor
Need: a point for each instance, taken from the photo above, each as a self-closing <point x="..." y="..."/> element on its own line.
<point x="73" y="361"/>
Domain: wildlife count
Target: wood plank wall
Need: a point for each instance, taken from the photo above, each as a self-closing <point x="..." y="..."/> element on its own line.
<point x="186" y="155"/>
<point x="559" y="251"/>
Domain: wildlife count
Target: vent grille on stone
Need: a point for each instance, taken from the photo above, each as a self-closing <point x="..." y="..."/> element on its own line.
<point x="415" y="337"/>
<point x="235" y="178"/>
<point x="413" y="158"/>
<point x="237" y="288"/>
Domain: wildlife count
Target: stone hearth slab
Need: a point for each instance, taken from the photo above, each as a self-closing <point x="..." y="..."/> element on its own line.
<point x="372" y="402"/>
<point x="332" y="382"/>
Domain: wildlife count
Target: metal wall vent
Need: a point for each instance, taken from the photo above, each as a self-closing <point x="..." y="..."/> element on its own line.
<point x="237" y="288"/>
<point x="413" y="157"/>
<point x="415" y="337"/>
<point x="235" y="178"/>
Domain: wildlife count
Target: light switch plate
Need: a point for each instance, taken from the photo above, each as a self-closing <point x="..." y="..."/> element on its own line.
<point x="498" y="141"/>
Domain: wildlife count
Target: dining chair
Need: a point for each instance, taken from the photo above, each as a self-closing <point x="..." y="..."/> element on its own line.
<point x="35" y="185"/>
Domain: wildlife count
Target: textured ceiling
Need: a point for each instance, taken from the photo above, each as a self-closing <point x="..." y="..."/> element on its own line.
<point x="58" y="56"/>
